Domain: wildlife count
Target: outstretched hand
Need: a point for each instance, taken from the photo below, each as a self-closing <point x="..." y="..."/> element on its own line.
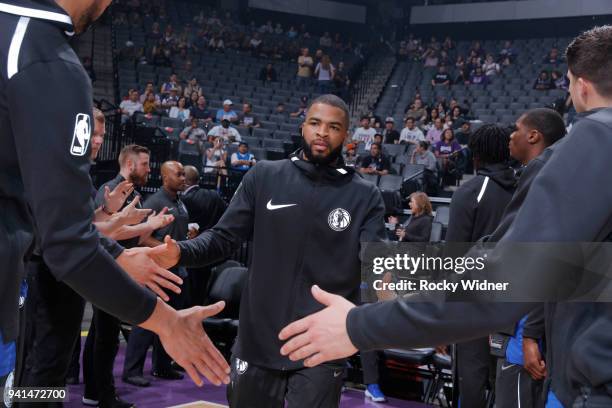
<point x="166" y="255"/>
<point x="113" y="200"/>
<point x="322" y="336"/>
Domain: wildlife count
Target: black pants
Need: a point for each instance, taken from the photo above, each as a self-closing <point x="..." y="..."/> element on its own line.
<point x="257" y="387"/>
<point x="140" y="340"/>
<point x="514" y="387"/>
<point x="99" y="355"/>
<point x="55" y="327"/>
<point x="369" y="364"/>
<point x="476" y="368"/>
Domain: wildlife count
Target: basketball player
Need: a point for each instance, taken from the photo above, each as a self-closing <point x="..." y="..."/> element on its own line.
<point x="307" y="217"/>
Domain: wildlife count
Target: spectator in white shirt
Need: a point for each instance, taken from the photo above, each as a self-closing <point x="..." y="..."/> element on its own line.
<point x="130" y="105"/>
<point x="490" y="67"/>
<point x="364" y="133"/>
<point x="180" y="111"/>
<point x="226" y="132"/>
<point x="411" y="134"/>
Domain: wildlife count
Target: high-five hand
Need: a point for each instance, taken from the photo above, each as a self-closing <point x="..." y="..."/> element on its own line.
<point x="166" y="255"/>
<point x="183" y="337"/>
<point x="322" y="336"/>
<point x="113" y="200"/>
<point x="138" y="263"/>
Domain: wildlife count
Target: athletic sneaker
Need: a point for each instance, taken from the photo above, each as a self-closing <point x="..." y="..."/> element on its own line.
<point x="90" y="402"/>
<point x="374" y="393"/>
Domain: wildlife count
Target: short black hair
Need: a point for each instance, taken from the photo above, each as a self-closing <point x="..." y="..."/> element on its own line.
<point x="336" y="102"/>
<point x="489" y="144"/>
<point x="546" y="121"/>
<point x="590" y="56"/>
<point x="424" y="144"/>
<point x="376" y="144"/>
<point x="243" y="143"/>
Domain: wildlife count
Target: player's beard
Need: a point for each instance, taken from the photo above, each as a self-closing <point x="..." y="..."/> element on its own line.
<point x="332" y="157"/>
<point x="137" y="179"/>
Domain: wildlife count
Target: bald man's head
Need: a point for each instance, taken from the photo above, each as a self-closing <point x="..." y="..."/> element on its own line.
<point x="173" y="176"/>
<point x="192" y="176"/>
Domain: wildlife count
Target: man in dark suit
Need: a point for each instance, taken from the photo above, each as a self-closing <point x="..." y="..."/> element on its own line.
<point x="205" y="208"/>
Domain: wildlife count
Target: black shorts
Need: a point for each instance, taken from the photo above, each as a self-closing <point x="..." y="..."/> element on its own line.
<point x="514" y="387"/>
<point x="257" y="387"/>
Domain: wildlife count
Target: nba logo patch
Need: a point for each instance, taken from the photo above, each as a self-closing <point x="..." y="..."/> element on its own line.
<point x="339" y="219"/>
<point x="81" y="136"/>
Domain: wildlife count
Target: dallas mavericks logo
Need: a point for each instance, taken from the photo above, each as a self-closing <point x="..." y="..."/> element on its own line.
<point x="339" y="219"/>
<point x="82" y="135"/>
<point x="8" y="386"/>
<point x="241" y="366"/>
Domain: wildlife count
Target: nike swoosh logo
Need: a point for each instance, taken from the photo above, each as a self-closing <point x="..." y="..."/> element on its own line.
<point x="504" y="368"/>
<point x="337" y="374"/>
<point x="272" y="207"/>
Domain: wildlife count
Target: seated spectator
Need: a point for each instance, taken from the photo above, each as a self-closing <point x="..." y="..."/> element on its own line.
<point x="193" y="100"/>
<point x="301" y="112"/>
<point x="365" y="133"/>
<point x="430" y="121"/>
<point x="456" y="117"/>
<point x="351" y="159"/>
<point x="460" y="63"/>
<point x="444" y="59"/>
<point x="447" y="145"/>
<point x="553" y="57"/>
<point x="151" y="105"/>
<point x="433" y="135"/>
<point x="193" y="132"/>
<point x="160" y="56"/>
<point x="390" y="134"/>
<point x="149" y="88"/>
<point x="490" y="67"/>
<point x="417" y="111"/>
<point x="543" y="83"/>
<point x="247" y="118"/>
<point x="255" y="44"/>
<point x="280" y="109"/>
<point x="278" y="29"/>
<point x="214" y="159"/>
<point x="430" y="58"/>
<point x="242" y="160"/>
<point x="463" y="135"/>
<point x="192" y="87"/>
<point x="477" y="49"/>
<point x="155" y="33"/>
<point x="478" y="77"/>
<point x="441" y="107"/>
<point x="411" y="134"/>
<point x="507" y="52"/>
<point x="324" y="72"/>
<point x="171" y="100"/>
<point x="225" y="132"/>
<point x="418" y="226"/>
<point x="448" y="44"/>
<point x="441" y="78"/>
<point x="201" y="112"/>
<point x="376" y="163"/>
<point x="422" y="155"/>
<point x="268" y="73"/>
<point x="180" y="111"/>
<point x="377" y="139"/>
<point x="216" y="44"/>
<point x="462" y="77"/>
<point x="226" y="112"/>
<point x="267" y="28"/>
<point x="130" y="105"/>
<point x="473" y="63"/>
<point x="325" y="41"/>
<point x="172" y="83"/>
<point x="559" y="80"/>
<point x="292" y="32"/>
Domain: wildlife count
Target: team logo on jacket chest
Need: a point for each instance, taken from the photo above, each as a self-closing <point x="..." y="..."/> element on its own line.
<point x="339" y="219"/>
<point x="81" y="136"/>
